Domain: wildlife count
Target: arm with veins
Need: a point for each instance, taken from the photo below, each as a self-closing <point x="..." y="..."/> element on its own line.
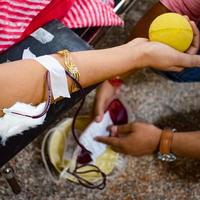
<point x="24" y="80"/>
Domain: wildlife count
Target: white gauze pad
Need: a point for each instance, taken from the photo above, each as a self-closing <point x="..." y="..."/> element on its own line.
<point x="12" y="124"/>
<point x="93" y="130"/>
<point x="58" y="77"/>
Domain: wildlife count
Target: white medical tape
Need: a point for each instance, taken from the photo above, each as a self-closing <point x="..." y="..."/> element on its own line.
<point x="58" y="77"/>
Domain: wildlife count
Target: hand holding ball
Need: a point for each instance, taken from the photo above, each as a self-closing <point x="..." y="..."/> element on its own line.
<point x="172" y="29"/>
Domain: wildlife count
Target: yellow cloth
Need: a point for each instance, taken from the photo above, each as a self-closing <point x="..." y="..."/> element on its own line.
<point x="57" y="145"/>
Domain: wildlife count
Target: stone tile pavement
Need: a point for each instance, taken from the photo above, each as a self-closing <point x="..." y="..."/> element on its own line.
<point x="151" y="98"/>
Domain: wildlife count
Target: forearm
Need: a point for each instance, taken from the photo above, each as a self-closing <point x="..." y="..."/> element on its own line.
<point x="187" y="144"/>
<point x="24" y="81"/>
<point x="98" y="65"/>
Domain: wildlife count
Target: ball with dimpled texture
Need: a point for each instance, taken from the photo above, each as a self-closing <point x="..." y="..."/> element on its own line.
<point x="172" y="29"/>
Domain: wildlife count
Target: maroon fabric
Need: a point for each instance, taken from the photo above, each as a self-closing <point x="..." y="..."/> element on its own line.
<point x="118" y="112"/>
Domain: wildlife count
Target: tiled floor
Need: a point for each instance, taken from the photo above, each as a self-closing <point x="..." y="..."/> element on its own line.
<point x="151" y="98"/>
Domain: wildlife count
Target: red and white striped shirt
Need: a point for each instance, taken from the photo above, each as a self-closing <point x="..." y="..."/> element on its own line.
<point x="87" y="13"/>
<point x="191" y="8"/>
<point x="17" y="15"/>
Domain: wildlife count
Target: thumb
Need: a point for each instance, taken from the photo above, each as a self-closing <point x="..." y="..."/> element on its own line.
<point x="98" y="108"/>
<point x="121" y="129"/>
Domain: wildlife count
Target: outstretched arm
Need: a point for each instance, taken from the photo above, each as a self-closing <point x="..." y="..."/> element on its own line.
<point x="23" y="81"/>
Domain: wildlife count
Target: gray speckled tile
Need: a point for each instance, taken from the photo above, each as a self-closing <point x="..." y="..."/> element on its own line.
<point x="151" y="98"/>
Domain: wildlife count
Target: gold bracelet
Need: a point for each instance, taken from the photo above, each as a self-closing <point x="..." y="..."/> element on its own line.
<point x="70" y="67"/>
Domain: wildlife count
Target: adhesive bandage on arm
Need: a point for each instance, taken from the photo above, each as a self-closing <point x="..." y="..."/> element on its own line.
<point x="58" y="77"/>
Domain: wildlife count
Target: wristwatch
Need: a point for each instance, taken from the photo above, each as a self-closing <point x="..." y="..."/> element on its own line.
<point x="166" y="139"/>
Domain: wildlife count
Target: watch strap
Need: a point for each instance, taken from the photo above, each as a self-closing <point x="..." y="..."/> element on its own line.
<point x="166" y="141"/>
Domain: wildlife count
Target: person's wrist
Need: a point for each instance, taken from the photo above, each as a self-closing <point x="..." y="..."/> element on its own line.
<point x="147" y="55"/>
<point x="158" y="133"/>
<point x="175" y="140"/>
<point x="112" y="89"/>
<point x="137" y="54"/>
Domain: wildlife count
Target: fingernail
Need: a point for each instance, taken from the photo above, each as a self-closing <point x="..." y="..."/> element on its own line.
<point x="114" y="129"/>
<point x="98" y="118"/>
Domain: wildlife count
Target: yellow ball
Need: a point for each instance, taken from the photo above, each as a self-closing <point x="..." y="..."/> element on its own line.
<point x="172" y="29"/>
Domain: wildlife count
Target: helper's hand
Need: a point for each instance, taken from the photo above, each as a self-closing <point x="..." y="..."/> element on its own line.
<point x="194" y="48"/>
<point x="104" y="95"/>
<point x="135" y="138"/>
